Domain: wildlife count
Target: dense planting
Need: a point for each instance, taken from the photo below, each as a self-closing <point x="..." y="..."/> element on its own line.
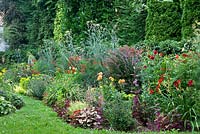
<point x="115" y="65"/>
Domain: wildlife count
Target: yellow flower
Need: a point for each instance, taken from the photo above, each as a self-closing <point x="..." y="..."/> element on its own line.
<point x="100" y="77"/>
<point x="121" y="81"/>
<point x="3" y="70"/>
<point x="111" y="78"/>
<point x="100" y="73"/>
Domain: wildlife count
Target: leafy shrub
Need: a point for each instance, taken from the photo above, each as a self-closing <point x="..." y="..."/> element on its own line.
<point x="63" y="87"/>
<point x="23" y="85"/>
<point x="116" y="109"/>
<point x="15" y="100"/>
<point x="5" y="106"/>
<point x="123" y="63"/>
<point x="37" y="86"/>
<point x="168" y="83"/>
<point x="118" y="113"/>
<point x="189" y="17"/>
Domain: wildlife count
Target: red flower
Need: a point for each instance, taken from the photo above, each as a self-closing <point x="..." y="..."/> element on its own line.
<point x="151" y="91"/>
<point x="185" y="55"/>
<point x="177" y="56"/>
<point x="190" y="83"/>
<point x="155" y="52"/>
<point x="177" y="83"/>
<point x="157" y="87"/>
<point x="161" y="54"/>
<point x="160" y="80"/>
<point x="145" y="66"/>
<point x="151" y="57"/>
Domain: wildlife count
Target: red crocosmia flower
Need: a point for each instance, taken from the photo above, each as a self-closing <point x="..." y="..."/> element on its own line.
<point x="190" y="83"/>
<point x="160" y="80"/>
<point x="185" y="55"/>
<point x="158" y="86"/>
<point x="151" y="91"/>
<point x="155" y="52"/>
<point x="177" y="56"/>
<point x="151" y="57"/>
<point x="145" y="66"/>
<point x="177" y="83"/>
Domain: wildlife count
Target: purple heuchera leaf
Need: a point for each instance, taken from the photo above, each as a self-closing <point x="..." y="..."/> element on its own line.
<point x="136" y="100"/>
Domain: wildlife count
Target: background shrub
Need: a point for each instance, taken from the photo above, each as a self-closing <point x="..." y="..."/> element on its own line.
<point x="130" y="20"/>
<point x="190" y="17"/>
<point x="163" y="20"/>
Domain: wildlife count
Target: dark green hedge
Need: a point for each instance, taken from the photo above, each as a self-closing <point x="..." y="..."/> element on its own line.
<point x="130" y="20"/>
<point x="129" y="23"/>
<point x="191" y="13"/>
<point x="163" y="20"/>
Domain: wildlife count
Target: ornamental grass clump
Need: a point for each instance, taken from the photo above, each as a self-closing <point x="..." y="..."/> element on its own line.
<point x="123" y="63"/>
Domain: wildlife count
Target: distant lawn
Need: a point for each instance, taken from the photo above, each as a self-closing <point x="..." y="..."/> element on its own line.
<point x="36" y="118"/>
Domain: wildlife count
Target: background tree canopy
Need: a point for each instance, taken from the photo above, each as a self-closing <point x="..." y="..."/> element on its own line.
<point x="30" y="22"/>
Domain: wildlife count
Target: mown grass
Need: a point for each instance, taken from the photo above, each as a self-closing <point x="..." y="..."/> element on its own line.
<point x="36" y="118"/>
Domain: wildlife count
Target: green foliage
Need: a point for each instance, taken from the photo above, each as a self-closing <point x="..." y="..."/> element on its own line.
<point x="130" y="19"/>
<point x="16" y="71"/>
<point x="62" y="88"/>
<point x="163" y="20"/>
<point x="118" y="113"/>
<point x="191" y="15"/>
<point x="43" y="118"/>
<point x="16" y="101"/>
<point x="169" y="81"/>
<point x="77" y="105"/>
<point x="5" y="106"/>
<point x="61" y="21"/>
<point x="37" y="86"/>
<point x="9" y="102"/>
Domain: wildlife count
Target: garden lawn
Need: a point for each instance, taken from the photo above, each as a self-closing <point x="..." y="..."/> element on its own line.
<point x="36" y="118"/>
